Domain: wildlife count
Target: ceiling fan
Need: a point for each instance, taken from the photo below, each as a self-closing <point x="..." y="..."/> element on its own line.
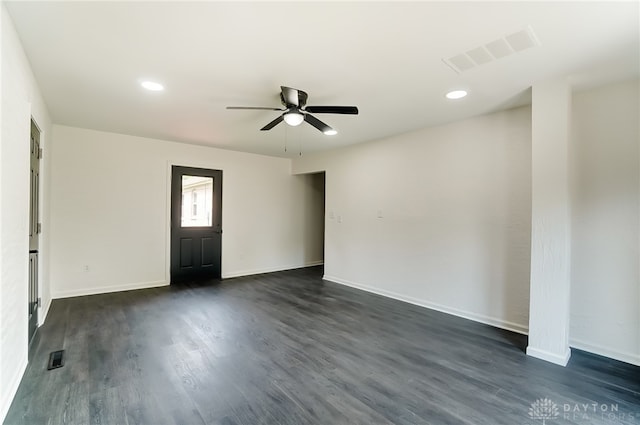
<point x="296" y="110"/>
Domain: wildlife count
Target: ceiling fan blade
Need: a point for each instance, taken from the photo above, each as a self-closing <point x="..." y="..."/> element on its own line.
<point x="262" y="108"/>
<point x="290" y="96"/>
<point x="317" y="123"/>
<point x="272" y="123"/>
<point x="351" y="110"/>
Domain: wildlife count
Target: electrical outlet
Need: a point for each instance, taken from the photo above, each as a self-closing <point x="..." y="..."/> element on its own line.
<point x="339" y="219"/>
<point x="86" y="268"/>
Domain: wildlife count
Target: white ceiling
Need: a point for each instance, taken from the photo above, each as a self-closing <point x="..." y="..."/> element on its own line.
<point x="384" y="57"/>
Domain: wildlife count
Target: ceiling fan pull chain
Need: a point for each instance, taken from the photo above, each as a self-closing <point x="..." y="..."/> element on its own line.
<point x="285" y="138"/>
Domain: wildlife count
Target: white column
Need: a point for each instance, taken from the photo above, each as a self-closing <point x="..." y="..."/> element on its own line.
<point x="550" y="223"/>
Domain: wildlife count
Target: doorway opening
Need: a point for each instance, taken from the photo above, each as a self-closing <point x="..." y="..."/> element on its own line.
<point x="315" y="219"/>
<point x="196" y="224"/>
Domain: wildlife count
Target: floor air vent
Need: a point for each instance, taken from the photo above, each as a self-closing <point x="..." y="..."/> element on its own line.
<point x="56" y="359"/>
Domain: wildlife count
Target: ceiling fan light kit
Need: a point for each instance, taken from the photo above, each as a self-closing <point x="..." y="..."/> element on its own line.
<point x="296" y="111"/>
<point x="293" y="118"/>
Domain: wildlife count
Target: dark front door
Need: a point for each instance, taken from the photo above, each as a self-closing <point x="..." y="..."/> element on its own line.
<point x="196" y="223"/>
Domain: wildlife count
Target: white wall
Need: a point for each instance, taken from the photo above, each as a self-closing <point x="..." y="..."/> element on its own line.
<point x="21" y="100"/>
<point x="605" y="307"/>
<point x="109" y="211"/>
<point x="456" y="212"/>
<point x="550" y="285"/>
<point x="455" y="207"/>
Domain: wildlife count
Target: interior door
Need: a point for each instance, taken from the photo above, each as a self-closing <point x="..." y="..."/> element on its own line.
<point x="34" y="229"/>
<point x="196" y="224"/>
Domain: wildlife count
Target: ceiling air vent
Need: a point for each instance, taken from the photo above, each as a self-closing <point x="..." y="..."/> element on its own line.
<point x="496" y="49"/>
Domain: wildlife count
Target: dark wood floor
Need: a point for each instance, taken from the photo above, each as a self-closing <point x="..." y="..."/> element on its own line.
<point x="289" y="348"/>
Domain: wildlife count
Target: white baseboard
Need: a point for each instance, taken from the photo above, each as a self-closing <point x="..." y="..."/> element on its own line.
<point x="630" y="358"/>
<point x="155" y="284"/>
<point x="495" y="322"/>
<point x="107" y="289"/>
<point x="42" y="314"/>
<point x="559" y="359"/>
<point x="11" y="388"/>
<point x="270" y="269"/>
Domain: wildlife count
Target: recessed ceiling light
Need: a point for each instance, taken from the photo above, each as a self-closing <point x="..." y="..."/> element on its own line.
<point x="152" y="85"/>
<point x="331" y="132"/>
<point x="456" y="94"/>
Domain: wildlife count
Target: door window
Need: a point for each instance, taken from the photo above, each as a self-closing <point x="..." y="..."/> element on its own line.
<point x="197" y="196"/>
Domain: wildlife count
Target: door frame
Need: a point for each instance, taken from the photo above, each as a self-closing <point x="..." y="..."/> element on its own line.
<point x="190" y="164"/>
<point x="39" y="307"/>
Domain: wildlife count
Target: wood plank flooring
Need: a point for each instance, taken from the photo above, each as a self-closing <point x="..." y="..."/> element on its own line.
<point x="290" y="348"/>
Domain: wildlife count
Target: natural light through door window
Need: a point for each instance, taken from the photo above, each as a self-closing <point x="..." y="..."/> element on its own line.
<point x="197" y="193"/>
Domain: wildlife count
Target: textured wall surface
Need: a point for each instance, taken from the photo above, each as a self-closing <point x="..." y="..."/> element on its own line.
<point x="605" y="266"/>
<point x="21" y="101"/>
